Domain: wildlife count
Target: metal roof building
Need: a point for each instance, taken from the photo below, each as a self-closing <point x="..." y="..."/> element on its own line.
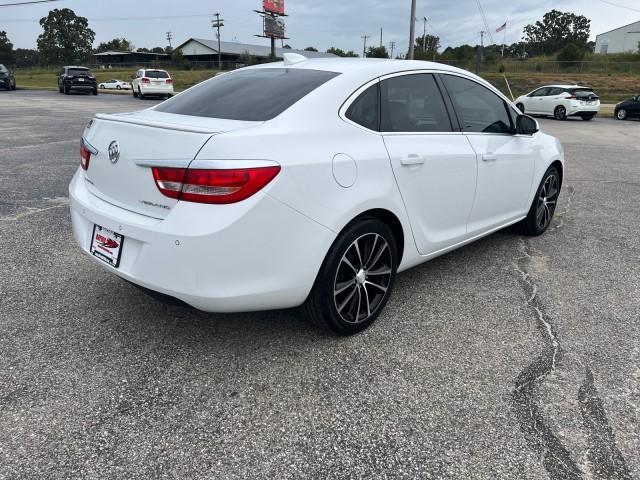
<point x="620" y="40"/>
<point x="199" y="49"/>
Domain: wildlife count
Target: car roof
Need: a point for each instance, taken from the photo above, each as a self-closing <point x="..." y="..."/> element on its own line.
<point x="565" y="86"/>
<point x="77" y="66"/>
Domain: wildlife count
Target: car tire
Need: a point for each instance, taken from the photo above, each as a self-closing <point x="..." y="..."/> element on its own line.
<point x="134" y="93"/>
<point x="140" y="94"/>
<point x="520" y="107"/>
<point x="14" y="86"/>
<point x="169" y="96"/>
<point x="369" y="246"/>
<point x="66" y="89"/>
<point x="118" y="87"/>
<point x="95" y="91"/>
<point x="586" y="118"/>
<point x="544" y="204"/>
<point x="621" y="114"/>
<point x="560" y="113"/>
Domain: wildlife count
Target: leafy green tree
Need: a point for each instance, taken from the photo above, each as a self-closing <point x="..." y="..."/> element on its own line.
<point x="247" y="59"/>
<point x="556" y="30"/>
<point x="117" y="45"/>
<point x="311" y="49"/>
<point x="377" y="52"/>
<point x="341" y="53"/>
<point x="26" y="57"/>
<point x="177" y="59"/>
<point x="143" y="50"/>
<point x="157" y="50"/>
<point x="432" y="44"/>
<point x="6" y="50"/>
<point x="66" y="38"/>
<point x="571" y="53"/>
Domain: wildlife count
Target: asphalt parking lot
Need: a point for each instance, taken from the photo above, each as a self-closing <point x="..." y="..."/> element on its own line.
<point x="511" y="358"/>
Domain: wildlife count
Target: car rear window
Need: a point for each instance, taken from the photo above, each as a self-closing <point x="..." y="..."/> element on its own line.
<point x="252" y="95"/>
<point x="79" y="71"/>
<point x="583" y="92"/>
<point x="156" y="74"/>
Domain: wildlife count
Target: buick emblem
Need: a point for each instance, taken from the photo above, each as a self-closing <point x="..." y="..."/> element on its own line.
<point x="114" y="151"/>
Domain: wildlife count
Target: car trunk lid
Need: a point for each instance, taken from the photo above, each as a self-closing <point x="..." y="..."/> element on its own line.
<point x="129" y="144"/>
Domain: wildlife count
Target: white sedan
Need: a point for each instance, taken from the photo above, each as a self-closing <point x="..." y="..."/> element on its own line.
<point x="115" y="84"/>
<point x="308" y="182"/>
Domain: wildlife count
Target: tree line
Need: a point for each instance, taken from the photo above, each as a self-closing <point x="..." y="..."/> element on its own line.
<point x="67" y="39"/>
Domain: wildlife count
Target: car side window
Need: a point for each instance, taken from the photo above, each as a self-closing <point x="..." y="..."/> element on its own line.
<point x="413" y="103"/>
<point x="478" y="108"/>
<point x="541" y="92"/>
<point x="555" y="91"/>
<point x="365" y="109"/>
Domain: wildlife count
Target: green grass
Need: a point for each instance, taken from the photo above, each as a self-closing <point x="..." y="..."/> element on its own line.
<point x="43" y="79"/>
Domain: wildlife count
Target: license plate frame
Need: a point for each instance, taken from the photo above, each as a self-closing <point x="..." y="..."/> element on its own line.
<point x="106" y="245"/>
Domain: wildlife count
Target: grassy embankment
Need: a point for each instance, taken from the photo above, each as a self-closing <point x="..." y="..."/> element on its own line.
<point x="43" y="79"/>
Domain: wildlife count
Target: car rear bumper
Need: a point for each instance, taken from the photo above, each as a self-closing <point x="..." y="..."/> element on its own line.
<point x="156" y="90"/>
<point x="577" y="110"/>
<point x="82" y="86"/>
<point x="257" y="254"/>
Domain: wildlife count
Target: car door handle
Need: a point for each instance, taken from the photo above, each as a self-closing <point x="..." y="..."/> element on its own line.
<point x="489" y="157"/>
<point x="412" y="159"/>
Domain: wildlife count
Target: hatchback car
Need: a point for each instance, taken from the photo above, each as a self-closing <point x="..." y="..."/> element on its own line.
<point x="152" y="82"/>
<point x="308" y="182"/>
<point x="561" y="101"/>
<point x="79" y="79"/>
<point x="7" y="80"/>
<point x="628" y="108"/>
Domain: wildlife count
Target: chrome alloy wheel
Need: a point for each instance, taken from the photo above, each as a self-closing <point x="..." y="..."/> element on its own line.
<point x="362" y="278"/>
<point x="547" y="201"/>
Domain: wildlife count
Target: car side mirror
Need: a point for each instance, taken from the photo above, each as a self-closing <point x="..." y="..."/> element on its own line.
<point x="525" y="125"/>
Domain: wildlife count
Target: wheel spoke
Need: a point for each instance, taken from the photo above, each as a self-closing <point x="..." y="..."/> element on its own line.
<point x="342" y="287"/>
<point x="539" y="215"/>
<point x="359" y="301"/>
<point x="355" y="244"/>
<point x="366" y="295"/>
<point x="346" y="261"/>
<point x="373" y="249"/>
<point x="379" y="254"/>
<point x="383" y="271"/>
<point x="346" y="300"/>
<point x="380" y="287"/>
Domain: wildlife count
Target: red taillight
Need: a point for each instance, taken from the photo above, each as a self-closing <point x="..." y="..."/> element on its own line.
<point x="572" y="97"/>
<point x="145" y="80"/>
<point x="85" y="156"/>
<point x="168" y="80"/>
<point x="213" y="186"/>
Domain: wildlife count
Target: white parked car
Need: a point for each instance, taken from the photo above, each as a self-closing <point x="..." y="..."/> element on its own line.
<point x="115" y="84"/>
<point x="152" y="82"/>
<point x="308" y="182"/>
<point x="561" y="101"/>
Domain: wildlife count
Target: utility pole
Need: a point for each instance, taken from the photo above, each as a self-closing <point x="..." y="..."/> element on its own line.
<point x="217" y="23"/>
<point x="380" y="37"/>
<point x="393" y="47"/>
<point x="480" y="52"/>
<point x="169" y="38"/>
<point x="364" y="48"/>
<point x="412" y="30"/>
<point x="424" y="35"/>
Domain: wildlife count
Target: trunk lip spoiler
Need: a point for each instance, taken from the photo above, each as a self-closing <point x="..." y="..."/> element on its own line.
<point x="161" y="124"/>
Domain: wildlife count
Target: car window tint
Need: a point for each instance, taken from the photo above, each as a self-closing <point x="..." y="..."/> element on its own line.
<point x="556" y="91"/>
<point x="541" y="92"/>
<point x="78" y="71"/>
<point x="583" y="92"/>
<point x="412" y="103"/>
<point x="364" y="110"/>
<point x="257" y="94"/>
<point x="479" y="109"/>
<point x="156" y="74"/>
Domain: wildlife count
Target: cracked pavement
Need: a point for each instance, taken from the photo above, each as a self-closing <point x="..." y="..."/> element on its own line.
<point x="511" y="358"/>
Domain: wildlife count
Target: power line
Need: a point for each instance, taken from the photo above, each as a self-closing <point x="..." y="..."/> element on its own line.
<point x="620" y="6"/>
<point x="484" y="20"/>
<point x="27" y="3"/>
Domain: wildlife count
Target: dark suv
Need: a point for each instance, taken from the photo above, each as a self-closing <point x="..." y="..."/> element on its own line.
<point x="7" y="80"/>
<point x="77" y="78"/>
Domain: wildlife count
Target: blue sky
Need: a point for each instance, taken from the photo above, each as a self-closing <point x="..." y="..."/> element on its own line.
<point x="310" y="22"/>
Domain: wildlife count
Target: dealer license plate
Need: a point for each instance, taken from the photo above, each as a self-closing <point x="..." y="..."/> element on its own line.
<point x="106" y="245"/>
